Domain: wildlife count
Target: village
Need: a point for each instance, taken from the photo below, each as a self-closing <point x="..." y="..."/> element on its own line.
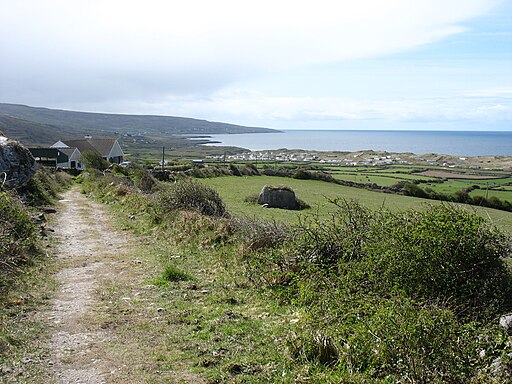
<point x="369" y="158"/>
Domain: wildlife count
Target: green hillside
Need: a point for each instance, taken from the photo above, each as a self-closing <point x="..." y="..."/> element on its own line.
<point x="80" y="123"/>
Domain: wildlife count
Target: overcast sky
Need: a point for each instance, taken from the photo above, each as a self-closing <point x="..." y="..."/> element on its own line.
<point x="342" y="64"/>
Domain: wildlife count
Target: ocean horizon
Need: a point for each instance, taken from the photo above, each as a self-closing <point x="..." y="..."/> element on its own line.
<point x="456" y="143"/>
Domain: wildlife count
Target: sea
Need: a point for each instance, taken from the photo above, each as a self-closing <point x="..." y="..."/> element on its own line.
<point x="457" y="143"/>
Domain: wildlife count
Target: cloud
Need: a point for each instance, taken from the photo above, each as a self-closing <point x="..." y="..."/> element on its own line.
<point x="259" y="109"/>
<point x="501" y="92"/>
<point x="90" y="50"/>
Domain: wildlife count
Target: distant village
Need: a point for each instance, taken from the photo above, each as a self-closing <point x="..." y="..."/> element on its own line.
<point x="361" y="158"/>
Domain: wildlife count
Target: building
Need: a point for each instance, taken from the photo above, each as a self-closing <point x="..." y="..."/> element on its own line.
<point x="107" y="147"/>
<point x="66" y="153"/>
<point x="67" y="158"/>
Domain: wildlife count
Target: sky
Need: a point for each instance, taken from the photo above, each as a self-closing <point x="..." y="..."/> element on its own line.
<point x="365" y="64"/>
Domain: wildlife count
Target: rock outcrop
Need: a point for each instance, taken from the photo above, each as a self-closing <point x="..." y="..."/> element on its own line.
<point x="278" y="197"/>
<point x="17" y="165"/>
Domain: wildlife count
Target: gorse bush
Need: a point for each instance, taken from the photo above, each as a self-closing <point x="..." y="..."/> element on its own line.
<point x="190" y="195"/>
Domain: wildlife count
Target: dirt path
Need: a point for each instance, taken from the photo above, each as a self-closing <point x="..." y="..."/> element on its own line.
<point x="87" y="244"/>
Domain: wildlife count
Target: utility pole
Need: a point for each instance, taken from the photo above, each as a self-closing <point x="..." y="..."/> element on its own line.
<point x="163" y="158"/>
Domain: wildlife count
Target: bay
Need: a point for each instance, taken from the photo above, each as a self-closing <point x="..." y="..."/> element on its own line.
<point x="457" y="143"/>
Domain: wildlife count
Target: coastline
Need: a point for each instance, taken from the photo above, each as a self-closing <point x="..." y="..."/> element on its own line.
<point x="369" y="158"/>
<point x="455" y="143"/>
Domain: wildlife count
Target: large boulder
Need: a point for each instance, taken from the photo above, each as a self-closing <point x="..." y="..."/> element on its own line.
<point x="278" y="197"/>
<point x="17" y="165"/>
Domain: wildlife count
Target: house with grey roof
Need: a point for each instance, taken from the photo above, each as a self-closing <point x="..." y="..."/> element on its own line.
<point x="66" y="154"/>
<point x="107" y="147"/>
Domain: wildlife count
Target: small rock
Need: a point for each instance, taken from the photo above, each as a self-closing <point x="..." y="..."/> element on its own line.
<point x="160" y="309"/>
<point x="506" y="323"/>
<point x="39" y="218"/>
<point x="7" y="370"/>
<point x="26" y="360"/>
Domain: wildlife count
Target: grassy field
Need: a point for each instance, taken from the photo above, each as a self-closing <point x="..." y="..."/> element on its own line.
<point x="234" y="190"/>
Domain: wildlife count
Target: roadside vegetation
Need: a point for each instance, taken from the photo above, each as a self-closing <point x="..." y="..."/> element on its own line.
<point x="475" y="188"/>
<point x="353" y="294"/>
<point x="19" y="232"/>
<point x="25" y="270"/>
<point x="363" y="287"/>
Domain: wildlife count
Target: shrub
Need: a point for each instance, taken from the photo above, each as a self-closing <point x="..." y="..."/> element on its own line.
<point x="93" y="160"/>
<point x="445" y="254"/>
<point x="17" y="235"/>
<point x="257" y="234"/>
<point x="190" y="195"/>
<point x="252" y="198"/>
<point x="411" y="189"/>
<point x="395" y="338"/>
<point x="44" y="186"/>
<point x="142" y="178"/>
<point x="396" y="296"/>
<point x="441" y="254"/>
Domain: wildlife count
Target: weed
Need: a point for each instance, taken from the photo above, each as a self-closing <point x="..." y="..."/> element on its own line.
<point x="171" y="273"/>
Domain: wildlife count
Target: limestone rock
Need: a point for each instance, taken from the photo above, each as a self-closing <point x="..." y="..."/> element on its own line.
<point x="278" y="197"/>
<point x="17" y="165"/>
<point x="506" y="323"/>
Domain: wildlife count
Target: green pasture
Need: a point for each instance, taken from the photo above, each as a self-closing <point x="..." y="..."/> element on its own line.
<point x="379" y="178"/>
<point x="502" y="195"/>
<point x="454" y="185"/>
<point x="365" y="178"/>
<point x="406" y="176"/>
<point x="234" y="190"/>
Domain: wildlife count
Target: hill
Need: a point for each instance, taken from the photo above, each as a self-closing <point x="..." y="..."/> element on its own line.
<point x="32" y="133"/>
<point x="35" y="124"/>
